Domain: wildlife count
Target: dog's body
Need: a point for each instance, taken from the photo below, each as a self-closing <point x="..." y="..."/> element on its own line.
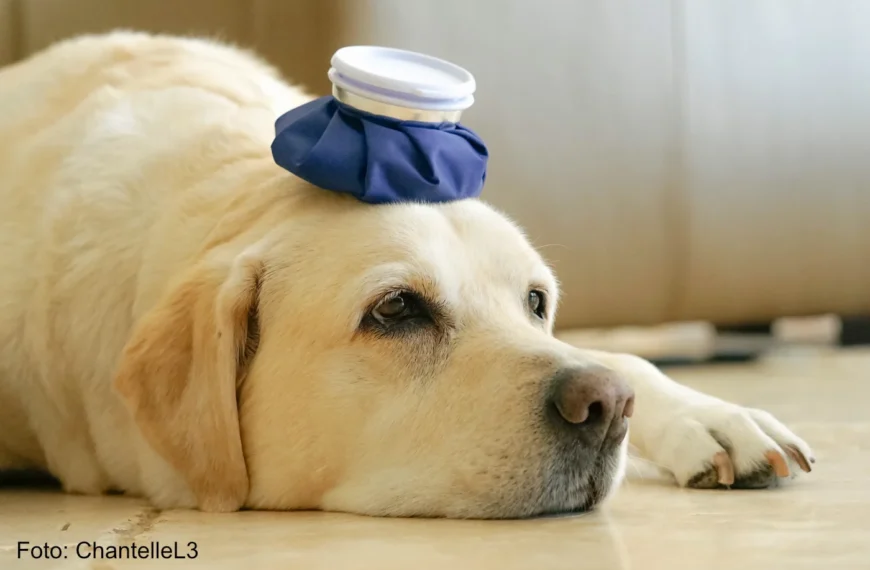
<point x="183" y="320"/>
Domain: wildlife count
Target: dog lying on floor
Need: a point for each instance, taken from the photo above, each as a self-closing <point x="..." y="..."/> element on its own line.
<point x="184" y="320"/>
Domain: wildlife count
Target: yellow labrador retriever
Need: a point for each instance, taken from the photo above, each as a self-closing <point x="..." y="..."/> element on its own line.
<point x="183" y="320"/>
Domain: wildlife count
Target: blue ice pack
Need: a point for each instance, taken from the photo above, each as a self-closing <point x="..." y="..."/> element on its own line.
<point x="390" y="131"/>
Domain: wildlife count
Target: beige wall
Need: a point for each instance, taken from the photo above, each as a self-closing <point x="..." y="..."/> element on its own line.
<point x="8" y="31"/>
<point x="674" y="159"/>
<point x="297" y="35"/>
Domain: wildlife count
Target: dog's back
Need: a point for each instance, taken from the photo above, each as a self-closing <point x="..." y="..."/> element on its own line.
<point x="102" y="138"/>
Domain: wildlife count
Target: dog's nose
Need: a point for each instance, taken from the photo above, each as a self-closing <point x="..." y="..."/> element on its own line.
<point x="591" y="398"/>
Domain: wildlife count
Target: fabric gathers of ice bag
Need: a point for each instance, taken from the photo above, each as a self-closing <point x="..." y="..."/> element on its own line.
<point x="390" y="131"/>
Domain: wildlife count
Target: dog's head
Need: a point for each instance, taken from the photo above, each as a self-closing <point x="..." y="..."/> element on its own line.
<point x="391" y="360"/>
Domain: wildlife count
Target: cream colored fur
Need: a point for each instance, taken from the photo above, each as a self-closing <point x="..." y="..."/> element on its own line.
<point x="144" y="222"/>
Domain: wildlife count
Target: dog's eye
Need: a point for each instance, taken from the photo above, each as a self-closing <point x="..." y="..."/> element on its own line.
<point x="538" y="303"/>
<point x="391" y="308"/>
<point x="399" y="307"/>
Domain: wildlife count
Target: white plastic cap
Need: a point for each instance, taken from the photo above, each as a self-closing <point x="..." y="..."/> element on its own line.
<point x="404" y="78"/>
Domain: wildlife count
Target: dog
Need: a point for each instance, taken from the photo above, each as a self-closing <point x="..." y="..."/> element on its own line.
<point x="184" y="321"/>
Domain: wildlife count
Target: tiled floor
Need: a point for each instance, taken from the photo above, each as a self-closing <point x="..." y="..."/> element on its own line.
<point x="819" y="522"/>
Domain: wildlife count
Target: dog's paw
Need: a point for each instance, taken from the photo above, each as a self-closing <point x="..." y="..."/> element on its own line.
<point x="715" y="445"/>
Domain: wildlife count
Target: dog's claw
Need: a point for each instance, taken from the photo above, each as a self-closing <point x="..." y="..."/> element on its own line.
<point x="799" y="458"/>
<point x="778" y="462"/>
<point x="724" y="468"/>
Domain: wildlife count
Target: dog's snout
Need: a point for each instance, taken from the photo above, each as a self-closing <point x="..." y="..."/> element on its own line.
<point x="593" y="398"/>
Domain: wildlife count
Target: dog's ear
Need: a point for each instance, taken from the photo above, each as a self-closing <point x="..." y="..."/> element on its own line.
<point x="178" y="376"/>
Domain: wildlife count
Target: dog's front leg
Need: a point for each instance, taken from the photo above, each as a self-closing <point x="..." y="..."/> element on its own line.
<point x="704" y="441"/>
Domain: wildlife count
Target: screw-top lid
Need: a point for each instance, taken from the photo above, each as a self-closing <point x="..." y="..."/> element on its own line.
<point x="403" y="78"/>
